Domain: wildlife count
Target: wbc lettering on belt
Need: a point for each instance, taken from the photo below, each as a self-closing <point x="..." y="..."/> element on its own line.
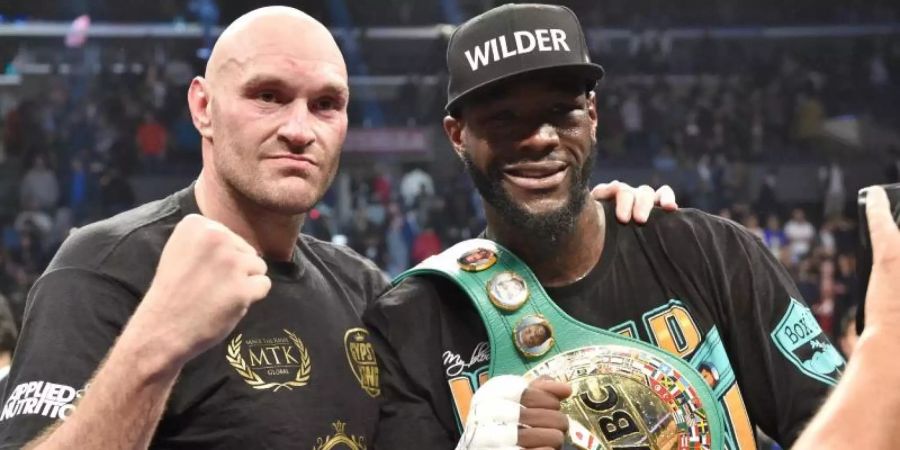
<point x="520" y="43"/>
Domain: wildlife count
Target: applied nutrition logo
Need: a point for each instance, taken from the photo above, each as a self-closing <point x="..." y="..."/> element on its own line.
<point x="41" y="398"/>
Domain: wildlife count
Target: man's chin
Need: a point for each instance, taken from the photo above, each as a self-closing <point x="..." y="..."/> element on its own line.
<point x="289" y="200"/>
<point x="541" y="207"/>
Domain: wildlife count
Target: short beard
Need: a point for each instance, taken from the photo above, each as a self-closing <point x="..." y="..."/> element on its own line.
<point x="549" y="227"/>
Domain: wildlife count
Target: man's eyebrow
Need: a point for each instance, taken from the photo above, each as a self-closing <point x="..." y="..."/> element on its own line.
<point x="261" y="80"/>
<point x="335" y="89"/>
<point x="267" y="80"/>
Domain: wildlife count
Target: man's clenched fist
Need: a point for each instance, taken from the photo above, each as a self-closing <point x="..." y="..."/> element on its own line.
<point x="206" y="279"/>
<point x="509" y="413"/>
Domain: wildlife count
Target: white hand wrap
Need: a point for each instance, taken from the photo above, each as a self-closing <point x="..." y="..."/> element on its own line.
<point x="493" y="422"/>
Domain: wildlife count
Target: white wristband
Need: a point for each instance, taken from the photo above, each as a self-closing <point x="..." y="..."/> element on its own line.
<point x="493" y="421"/>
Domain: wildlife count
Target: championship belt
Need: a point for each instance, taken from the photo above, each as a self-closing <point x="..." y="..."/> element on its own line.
<point x="626" y="394"/>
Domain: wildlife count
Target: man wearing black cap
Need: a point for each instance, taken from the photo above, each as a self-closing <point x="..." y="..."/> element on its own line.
<point x="732" y="345"/>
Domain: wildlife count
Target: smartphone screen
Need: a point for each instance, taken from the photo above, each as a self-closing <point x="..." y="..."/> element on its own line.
<point x="864" y="252"/>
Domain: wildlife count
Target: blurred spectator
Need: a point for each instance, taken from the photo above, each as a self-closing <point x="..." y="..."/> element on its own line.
<point x="32" y="222"/>
<point x="40" y="189"/>
<point x="381" y="187"/>
<point x="799" y="233"/>
<point x="751" y="222"/>
<point x="415" y="182"/>
<point x="152" y="140"/>
<point x="773" y="235"/>
<point x="832" y="178"/>
<point x="879" y="76"/>
<point x="704" y="196"/>
<point x="808" y="118"/>
<point x="633" y="121"/>
<point x="427" y="243"/>
<point x="78" y="190"/>
<point x="767" y="200"/>
<point x="827" y="240"/>
<point x="665" y="161"/>
<point x="824" y="306"/>
<point x="396" y="241"/>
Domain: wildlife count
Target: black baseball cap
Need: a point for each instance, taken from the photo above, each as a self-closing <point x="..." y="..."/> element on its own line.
<point x="513" y="39"/>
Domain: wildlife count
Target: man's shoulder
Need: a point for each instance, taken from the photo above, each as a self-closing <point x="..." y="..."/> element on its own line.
<point x="336" y="255"/>
<point x="351" y="269"/>
<point x="422" y="292"/>
<point x="696" y="223"/>
<point x="689" y="235"/>
<point x="125" y="246"/>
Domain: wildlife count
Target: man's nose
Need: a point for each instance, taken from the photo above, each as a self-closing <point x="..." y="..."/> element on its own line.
<point x="297" y="130"/>
<point x="540" y="138"/>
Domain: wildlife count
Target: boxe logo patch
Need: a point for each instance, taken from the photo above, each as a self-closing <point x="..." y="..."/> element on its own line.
<point x="799" y="337"/>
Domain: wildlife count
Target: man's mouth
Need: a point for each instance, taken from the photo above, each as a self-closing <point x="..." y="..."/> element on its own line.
<point x="537" y="175"/>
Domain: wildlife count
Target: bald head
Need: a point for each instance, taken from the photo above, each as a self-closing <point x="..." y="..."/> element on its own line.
<point x="273" y="30"/>
<point x="272" y="111"/>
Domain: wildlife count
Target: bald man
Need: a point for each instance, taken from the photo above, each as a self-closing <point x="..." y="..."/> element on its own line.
<point x="202" y="320"/>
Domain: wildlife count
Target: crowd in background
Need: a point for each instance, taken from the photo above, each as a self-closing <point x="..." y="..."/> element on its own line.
<point x="68" y="155"/>
<point x="397" y="215"/>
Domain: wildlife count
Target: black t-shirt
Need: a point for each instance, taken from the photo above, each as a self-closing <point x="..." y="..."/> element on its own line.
<point x="297" y="371"/>
<point x="699" y="286"/>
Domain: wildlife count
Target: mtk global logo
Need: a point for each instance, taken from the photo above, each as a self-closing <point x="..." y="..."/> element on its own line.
<point x="272" y="362"/>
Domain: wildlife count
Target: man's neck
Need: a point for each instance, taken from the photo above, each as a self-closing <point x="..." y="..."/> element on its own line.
<point x="567" y="259"/>
<point x="273" y="235"/>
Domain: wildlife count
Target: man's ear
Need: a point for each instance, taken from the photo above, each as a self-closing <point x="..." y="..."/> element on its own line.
<point x="199" y="102"/>
<point x="453" y="126"/>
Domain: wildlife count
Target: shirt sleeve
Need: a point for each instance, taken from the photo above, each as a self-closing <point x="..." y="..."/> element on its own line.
<point x="783" y="361"/>
<point x="72" y="318"/>
<point x="415" y="411"/>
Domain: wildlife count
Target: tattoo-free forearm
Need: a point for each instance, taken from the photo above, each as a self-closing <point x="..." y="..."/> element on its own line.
<point x="124" y="402"/>
<point x="862" y="411"/>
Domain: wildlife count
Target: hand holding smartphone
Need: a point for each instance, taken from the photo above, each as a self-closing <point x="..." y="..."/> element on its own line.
<point x="864" y="252"/>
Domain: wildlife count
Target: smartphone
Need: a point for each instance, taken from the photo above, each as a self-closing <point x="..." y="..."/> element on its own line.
<point x="864" y="252"/>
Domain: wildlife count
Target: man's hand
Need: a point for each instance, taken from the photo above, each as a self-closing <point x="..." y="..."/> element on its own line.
<point x="206" y="279"/>
<point x="634" y="203"/>
<point x="510" y="413"/>
<point x="861" y="413"/>
<point x="882" y="307"/>
<point x="542" y="425"/>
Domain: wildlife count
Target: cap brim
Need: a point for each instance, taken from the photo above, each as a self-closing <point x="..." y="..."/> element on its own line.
<point x="589" y="71"/>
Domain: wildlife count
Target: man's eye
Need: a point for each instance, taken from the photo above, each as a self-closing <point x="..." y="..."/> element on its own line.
<point x="267" y="96"/>
<point x="326" y="104"/>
